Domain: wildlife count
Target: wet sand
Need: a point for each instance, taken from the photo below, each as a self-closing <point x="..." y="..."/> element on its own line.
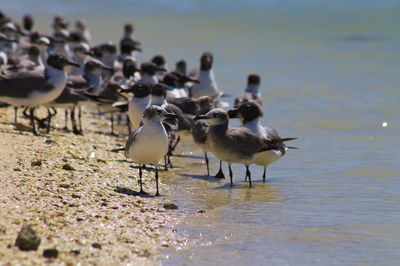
<point x="80" y="197"/>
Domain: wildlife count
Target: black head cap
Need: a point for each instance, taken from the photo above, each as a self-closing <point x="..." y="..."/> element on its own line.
<point x="171" y="80"/>
<point x="129" y="67"/>
<point x="34" y="37"/>
<point x="149" y="68"/>
<point x="59" y="61"/>
<point x="75" y="37"/>
<point x="141" y="89"/>
<point x="60" y="22"/>
<point x="180" y="66"/>
<point x="128" y="28"/>
<point x="159" y="60"/>
<point x="27" y="22"/>
<point x="34" y="51"/>
<point x="250" y="111"/>
<point x="253" y="79"/>
<point x="109" y="47"/>
<point x="159" y="89"/>
<point x="206" y="61"/>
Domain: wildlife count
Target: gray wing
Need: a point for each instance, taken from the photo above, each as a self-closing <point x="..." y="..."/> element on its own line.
<point x="244" y="140"/>
<point x="131" y="139"/>
<point x="271" y="133"/>
<point x="77" y="82"/>
<point x="22" y="84"/>
<point x="199" y="131"/>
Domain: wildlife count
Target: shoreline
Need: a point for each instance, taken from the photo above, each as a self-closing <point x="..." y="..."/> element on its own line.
<point x="76" y="193"/>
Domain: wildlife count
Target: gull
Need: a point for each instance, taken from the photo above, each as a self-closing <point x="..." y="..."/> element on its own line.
<point x="32" y="88"/>
<point x="235" y="144"/>
<point x="149" y="143"/>
<point x="250" y="114"/>
<point x="251" y="92"/>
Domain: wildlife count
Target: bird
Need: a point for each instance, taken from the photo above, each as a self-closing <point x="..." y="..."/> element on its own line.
<point x="149" y="70"/>
<point x="149" y="143"/>
<point x="250" y="114"/>
<point x="251" y="92"/>
<point x="32" y="88"/>
<point x="206" y="77"/>
<point x="235" y="144"/>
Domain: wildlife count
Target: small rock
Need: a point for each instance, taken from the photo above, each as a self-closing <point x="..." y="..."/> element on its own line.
<point x="201" y="211"/>
<point x="27" y="239"/>
<point x="49" y="141"/>
<point x="50" y="253"/>
<point x="96" y="245"/>
<point x="36" y="163"/>
<point x="17" y="169"/>
<point x="79" y="219"/>
<point x="2" y="229"/>
<point x="170" y="206"/>
<point x="76" y="196"/>
<point x="64" y="185"/>
<point x="76" y="252"/>
<point x="68" y="167"/>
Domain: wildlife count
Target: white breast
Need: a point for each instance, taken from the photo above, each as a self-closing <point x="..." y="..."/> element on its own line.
<point x="136" y="107"/>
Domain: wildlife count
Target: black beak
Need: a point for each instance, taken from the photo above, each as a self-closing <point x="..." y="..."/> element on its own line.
<point x="108" y="68"/>
<point x="234" y="113"/>
<point x="89" y="54"/>
<point x="170" y="115"/>
<point x="198" y="117"/>
<point x="72" y="64"/>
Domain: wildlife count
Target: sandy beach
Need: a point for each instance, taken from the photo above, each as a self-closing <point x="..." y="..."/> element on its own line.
<point x="79" y="196"/>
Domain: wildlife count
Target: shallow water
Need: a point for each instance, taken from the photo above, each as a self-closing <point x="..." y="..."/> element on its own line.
<point x="330" y="76"/>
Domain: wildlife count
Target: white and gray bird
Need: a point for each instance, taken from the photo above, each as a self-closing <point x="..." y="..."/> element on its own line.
<point x="235" y="144"/>
<point x="250" y="113"/>
<point x="149" y="143"/>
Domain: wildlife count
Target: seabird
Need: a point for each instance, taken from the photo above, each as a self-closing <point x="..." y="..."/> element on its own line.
<point x="206" y="77"/>
<point x="31" y="88"/>
<point x="250" y="114"/>
<point x="149" y="70"/>
<point x="149" y="143"/>
<point x="251" y="92"/>
<point x="235" y="144"/>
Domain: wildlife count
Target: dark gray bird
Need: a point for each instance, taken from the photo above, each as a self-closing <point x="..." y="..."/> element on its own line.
<point x="235" y="144"/>
<point x="31" y="88"/>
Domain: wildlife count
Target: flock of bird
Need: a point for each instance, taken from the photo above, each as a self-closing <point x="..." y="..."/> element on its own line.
<point x="64" y="70"/>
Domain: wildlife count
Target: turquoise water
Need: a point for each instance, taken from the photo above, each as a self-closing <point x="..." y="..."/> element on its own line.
<point x="330" y="76"/>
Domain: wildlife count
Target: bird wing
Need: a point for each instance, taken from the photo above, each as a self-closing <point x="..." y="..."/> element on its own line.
<point x="22" y="84"/>
<point x="129" y="142"/>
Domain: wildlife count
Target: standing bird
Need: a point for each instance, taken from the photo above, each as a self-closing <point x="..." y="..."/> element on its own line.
<point x="251" y="92"/>
<point x="207" y="84"/>
<point x="235" y="144"/>
<point x="250" y="114"/>
<point x="149" y="143"/>
<point x="31" y="88"/>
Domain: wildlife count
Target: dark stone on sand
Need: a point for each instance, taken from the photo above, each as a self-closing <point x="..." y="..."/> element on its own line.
<point x="76" y="196"/>
<point x="36" y="163"/>
<point x="76" y="252"/>
<point x="27" y="239"/>
<point x="96" y="245"/>
<point x="68" y="167"/>
<point x="170" y="206"/>
<point x="50" y="253"/>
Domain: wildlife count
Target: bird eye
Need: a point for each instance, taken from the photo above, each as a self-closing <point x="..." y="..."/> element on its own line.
<point x="216" y="115"/>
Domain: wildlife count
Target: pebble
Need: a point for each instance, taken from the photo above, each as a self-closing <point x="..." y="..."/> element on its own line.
<point x="68" y="167"/>
<point x="36" y="163"/>
<point x="170" y="206"/>
<point x="96" y="245"/>
<point x="27" y="239"/>
<point x="50" y="253"/>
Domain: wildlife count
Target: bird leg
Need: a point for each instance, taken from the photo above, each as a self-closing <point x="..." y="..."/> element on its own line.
<point x="140" y="180"/>
<point x="74" y="126"/>
<point x="50" y="115"/>
<point x="220" y="174"/>
<point x="66" y="120"/>
<point x="165" y="162"/>
<point x="32" y="118"/>
<point x="248" y="174"/>
<point x="157" y="194"/>
<point x="265" y="168"/>
<point x="175" y="144"/>
<point x="112" y="124"/>
<point x="208" y="169"/>
<point x="15" y="115"/>
<point x="230" y="173"/>
<point x="80" y="120"/>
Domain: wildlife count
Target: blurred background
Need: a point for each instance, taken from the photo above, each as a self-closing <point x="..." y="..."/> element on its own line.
<point x="329" y="75"/>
